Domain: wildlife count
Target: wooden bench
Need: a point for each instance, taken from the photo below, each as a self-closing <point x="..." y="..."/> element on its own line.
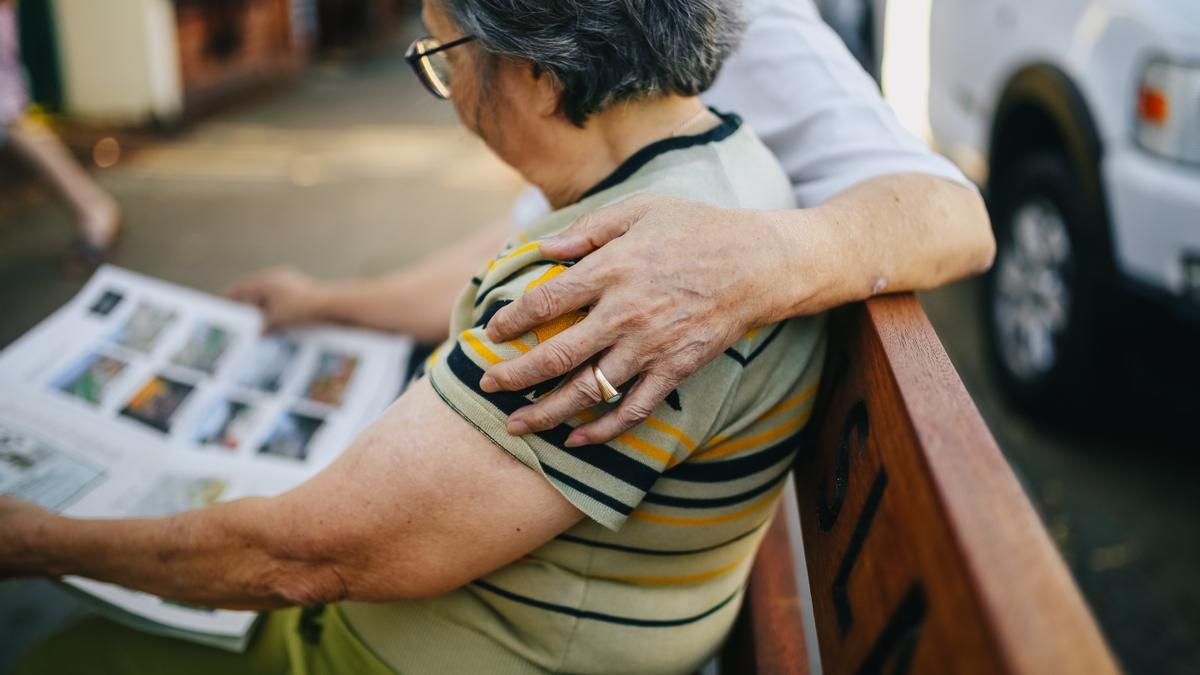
<point x="923" y="553"/>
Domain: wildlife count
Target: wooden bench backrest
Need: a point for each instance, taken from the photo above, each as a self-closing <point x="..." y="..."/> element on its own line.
<point x="924" y="555"/>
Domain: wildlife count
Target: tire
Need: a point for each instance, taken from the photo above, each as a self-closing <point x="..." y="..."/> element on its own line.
<point x="1043" y="315"/>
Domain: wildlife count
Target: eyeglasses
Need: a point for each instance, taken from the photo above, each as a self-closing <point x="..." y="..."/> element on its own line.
<point x="428" y="59"/>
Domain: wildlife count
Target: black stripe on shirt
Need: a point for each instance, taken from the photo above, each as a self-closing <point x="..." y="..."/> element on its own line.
<point x="490" y="312"/>
<point x="598" y="616"/>
<point x="717" y="502"/>
<point x="650" y="551"/>
<point x="745" y="360"/>
<point x="733" y="469"/>
<point x="603" y="457"/>
<point x="482" y="295"/>
<point x="575" y="484"/>
<point x="729" y="124"/>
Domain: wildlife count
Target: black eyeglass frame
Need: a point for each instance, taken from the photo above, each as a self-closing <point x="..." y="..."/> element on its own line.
<point x="417" y="59"/>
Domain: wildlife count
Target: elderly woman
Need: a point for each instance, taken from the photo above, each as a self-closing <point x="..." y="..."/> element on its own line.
<point x="438" y="541"/>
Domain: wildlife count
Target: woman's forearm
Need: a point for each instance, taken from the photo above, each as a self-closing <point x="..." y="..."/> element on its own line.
<point x="894" y="233"/>
<point x="418" y="505"/>
<point x="415" y="301"/>
<point x="223" y="556"/>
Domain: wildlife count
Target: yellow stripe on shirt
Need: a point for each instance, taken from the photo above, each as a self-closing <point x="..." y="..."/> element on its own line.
<point x="772" y="411"/>
<point x="645" y="447"/>
<point x="659" y="425"/>
<point x="432" y="359"/>
<point x="682" y="578"/>
<point x="546" y="276"/>
<point x="514" y="253"/>
<point x="480" y="348"/>
<point x="730" y="447"/>
<point x="791" y="402"/>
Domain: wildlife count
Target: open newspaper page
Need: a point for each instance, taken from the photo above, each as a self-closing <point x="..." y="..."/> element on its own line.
<point x="141" y="398"/>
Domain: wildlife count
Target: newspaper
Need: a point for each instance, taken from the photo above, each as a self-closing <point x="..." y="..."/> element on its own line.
<point x="141" y="398"/>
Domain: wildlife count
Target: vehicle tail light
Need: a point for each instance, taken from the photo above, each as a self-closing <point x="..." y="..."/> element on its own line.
<point x="1153" y="106"/>
<point x="1168" y="111"/>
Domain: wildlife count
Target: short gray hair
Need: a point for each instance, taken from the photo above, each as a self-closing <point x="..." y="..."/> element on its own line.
<point x="601" y="52"/>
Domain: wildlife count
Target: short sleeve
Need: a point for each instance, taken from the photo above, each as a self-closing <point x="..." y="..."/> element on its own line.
<point x="606" y="482"/>
<point x="829" y="127"/>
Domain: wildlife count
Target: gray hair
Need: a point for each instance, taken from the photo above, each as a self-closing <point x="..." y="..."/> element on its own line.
<point x="601" y="52"/>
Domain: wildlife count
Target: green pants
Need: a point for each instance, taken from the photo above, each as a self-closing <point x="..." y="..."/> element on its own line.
<point x="283" y="644"/>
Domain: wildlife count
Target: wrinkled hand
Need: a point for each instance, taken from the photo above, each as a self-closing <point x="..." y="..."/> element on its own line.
<point x="18" y="521"/>
<point x="670" y="285"/>
<point x="285" y="295"/>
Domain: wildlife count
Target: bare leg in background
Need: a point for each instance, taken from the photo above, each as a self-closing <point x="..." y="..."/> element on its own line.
<point x="97" y="214"/>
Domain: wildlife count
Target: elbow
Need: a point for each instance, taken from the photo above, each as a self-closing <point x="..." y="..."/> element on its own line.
<point x="405" y="578"/>
<point x="306" y="584"/>
<point x="354" y="557"/>
<point x="983" y="249"/>
<point x="987" y="255"/>
<point x="281" y="563"/>
<point x="377" y="574"/>
<point x="977" y="241"/>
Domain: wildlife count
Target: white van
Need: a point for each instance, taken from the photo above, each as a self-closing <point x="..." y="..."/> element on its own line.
<point x="1081" y="118"/>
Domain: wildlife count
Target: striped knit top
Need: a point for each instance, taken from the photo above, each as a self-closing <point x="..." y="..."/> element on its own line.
<point x="651" y="580"/>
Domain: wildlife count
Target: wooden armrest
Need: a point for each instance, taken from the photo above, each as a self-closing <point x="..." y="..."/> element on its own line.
<point x="924" y="555"/>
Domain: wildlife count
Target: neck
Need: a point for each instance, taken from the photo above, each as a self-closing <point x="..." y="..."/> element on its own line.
<point x="576" y="159"/>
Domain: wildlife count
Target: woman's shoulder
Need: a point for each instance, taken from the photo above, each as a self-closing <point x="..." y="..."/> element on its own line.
<point x="726" y="166"/>
<point x="514" y="271"/>
<point x="756" y="178"/>
<point x="729" y="167"/>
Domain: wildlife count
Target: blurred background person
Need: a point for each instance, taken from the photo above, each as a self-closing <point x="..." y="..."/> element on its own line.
<point x="97" y="214"/>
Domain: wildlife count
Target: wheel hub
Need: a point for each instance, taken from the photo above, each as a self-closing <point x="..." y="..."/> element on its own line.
<point x="1032" y="294"/>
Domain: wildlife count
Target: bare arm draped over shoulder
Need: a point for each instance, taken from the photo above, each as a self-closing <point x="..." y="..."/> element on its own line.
<point x="879" y="212"/>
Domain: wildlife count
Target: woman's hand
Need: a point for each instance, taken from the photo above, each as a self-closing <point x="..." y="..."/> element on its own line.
<point x="285" y="295"/>
<point x="670" y="283"/>
<point x="19" y="522"/>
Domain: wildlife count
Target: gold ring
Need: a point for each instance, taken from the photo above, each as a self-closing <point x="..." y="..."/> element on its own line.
<point x="608" y="392"/>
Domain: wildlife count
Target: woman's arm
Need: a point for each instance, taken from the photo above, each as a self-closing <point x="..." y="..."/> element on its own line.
<point x="671" y="283"/>
<point x="420" y="504"/>
<point x="414" y="301"/>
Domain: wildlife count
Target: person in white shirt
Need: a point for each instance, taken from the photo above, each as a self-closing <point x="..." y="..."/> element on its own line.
<point x="879" y="212"/>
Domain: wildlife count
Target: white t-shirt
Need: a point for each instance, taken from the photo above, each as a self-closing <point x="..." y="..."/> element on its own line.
<point x="795" y="83"/>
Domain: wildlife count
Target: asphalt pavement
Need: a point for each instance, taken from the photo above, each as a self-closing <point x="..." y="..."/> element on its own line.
<point x="355" y="170"/>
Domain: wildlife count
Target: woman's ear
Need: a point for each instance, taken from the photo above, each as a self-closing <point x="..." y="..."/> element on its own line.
<point x="546" y="95"/>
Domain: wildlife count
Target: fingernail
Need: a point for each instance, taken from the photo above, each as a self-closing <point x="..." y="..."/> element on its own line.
<point x="488" y="383"/>
<point x="575" y="440"/>
<point x="517" y="427"/>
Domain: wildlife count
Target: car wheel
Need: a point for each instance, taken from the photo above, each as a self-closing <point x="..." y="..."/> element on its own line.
<point x="1040" y="297"/>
